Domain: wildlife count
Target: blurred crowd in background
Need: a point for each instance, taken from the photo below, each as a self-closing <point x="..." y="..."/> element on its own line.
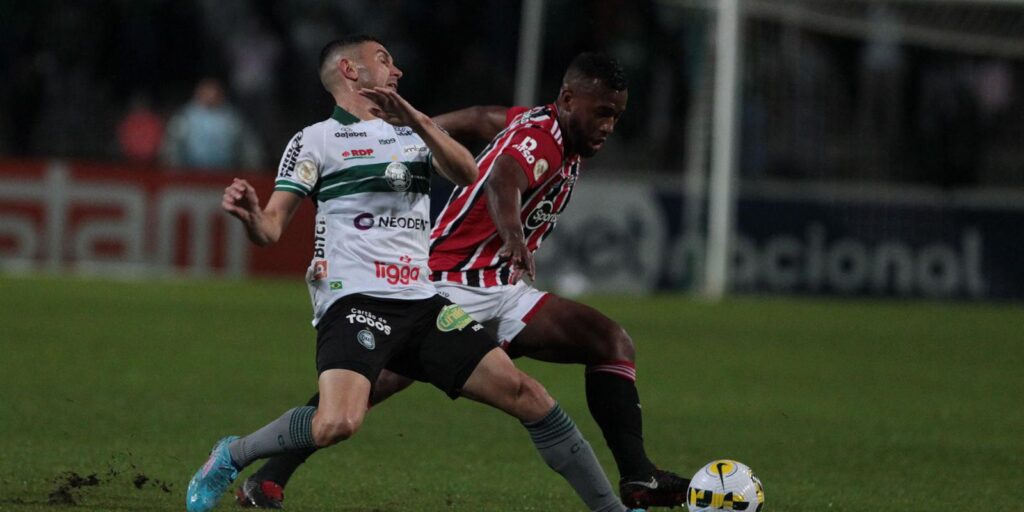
<point x="223" y="84"/>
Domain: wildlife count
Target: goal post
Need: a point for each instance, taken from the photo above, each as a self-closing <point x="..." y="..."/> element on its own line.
<point x="725" y="140"/>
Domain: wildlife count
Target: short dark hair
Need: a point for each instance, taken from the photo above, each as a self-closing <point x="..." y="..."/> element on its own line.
<point x="344" y="42"/>
<point x="597" y="66"/>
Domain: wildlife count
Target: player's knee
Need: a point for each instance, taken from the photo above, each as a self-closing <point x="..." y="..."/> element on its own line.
<point x="335" y="429"/>
<point x="533" y="401"/>
<point x="615" y="345"/>
<point x="624" y="345"/>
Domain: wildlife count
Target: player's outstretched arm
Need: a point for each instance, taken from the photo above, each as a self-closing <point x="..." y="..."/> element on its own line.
<point x="505" y="187"/>
<point x="264" y="226"/>
<point x="452" y="160"/>
<point x="473" y="124"/>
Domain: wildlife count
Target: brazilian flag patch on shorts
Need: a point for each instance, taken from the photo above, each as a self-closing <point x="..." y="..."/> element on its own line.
<point x="452" y="318"/>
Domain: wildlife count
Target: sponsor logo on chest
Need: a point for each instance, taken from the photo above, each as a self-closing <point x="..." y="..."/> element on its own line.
<point x="541" y="214"/>
<point x="365" y="221"/>
<point x="348" y="133"/>
<point x="357" y="154"/>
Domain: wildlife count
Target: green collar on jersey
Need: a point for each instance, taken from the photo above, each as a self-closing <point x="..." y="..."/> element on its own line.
<point x="343" y="116"/>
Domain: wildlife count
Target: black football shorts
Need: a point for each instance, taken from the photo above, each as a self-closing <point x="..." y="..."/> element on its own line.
<point x="429" y="340"/>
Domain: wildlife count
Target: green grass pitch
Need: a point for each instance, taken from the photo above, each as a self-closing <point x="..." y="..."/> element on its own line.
<point x="837" y="404"/>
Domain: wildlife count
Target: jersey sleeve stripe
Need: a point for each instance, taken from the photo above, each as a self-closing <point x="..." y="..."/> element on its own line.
<point x="291" y="186"/>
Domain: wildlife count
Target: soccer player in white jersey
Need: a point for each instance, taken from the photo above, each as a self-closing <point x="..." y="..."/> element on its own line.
<point x="373" y="305"/>
<point x="484" y="240"/>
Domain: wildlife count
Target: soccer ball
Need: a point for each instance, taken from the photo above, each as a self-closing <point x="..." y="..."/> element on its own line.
<point x="724" y="485"/>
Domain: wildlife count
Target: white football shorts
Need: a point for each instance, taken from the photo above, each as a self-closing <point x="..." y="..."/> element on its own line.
<point x="504" y="309"/>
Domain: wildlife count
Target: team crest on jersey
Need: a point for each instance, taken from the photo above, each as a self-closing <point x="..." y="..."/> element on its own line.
<point x="305" y="171"/>
<point x="398" y="176"/>
<point x="365" y="338"/>
<point x="540" y="168"/>
<point x="452" y="318"/>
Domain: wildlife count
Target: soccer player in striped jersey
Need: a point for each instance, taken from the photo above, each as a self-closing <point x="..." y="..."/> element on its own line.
<point x="485" y="237"/>
<point x="483" y="243"/>
<point x="373" y="307"/>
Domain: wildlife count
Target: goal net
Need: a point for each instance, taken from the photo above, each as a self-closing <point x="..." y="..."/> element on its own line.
<point x="878" y="146"/>
<point x="896" y="91"/>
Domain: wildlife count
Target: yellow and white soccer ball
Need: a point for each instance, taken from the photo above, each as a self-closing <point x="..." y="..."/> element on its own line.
<point x="725" y="485"/>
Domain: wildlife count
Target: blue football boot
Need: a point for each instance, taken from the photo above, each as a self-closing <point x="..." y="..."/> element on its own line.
<point x="212" y="479"/>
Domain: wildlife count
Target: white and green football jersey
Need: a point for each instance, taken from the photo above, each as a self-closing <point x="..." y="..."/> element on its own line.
<point x="371" y="183"/>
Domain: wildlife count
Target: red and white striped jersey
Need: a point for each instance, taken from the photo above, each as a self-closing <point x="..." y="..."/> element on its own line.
<point x="464" y="243"/>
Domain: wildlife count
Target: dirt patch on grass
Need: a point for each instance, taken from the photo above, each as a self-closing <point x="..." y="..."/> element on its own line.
<point x="67" y="483"/>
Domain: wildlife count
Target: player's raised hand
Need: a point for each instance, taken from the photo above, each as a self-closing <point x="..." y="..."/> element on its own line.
<point x="241" y="201"/>
<point x="391" y="107"/>
<point x="520" y="258"/>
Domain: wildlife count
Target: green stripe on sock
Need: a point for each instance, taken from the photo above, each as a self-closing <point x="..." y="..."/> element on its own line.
<point x="555" y="425"/>
<point x="553" y="434"/>
<point x="555" y="411"/>
<point x="300" y="428"/>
